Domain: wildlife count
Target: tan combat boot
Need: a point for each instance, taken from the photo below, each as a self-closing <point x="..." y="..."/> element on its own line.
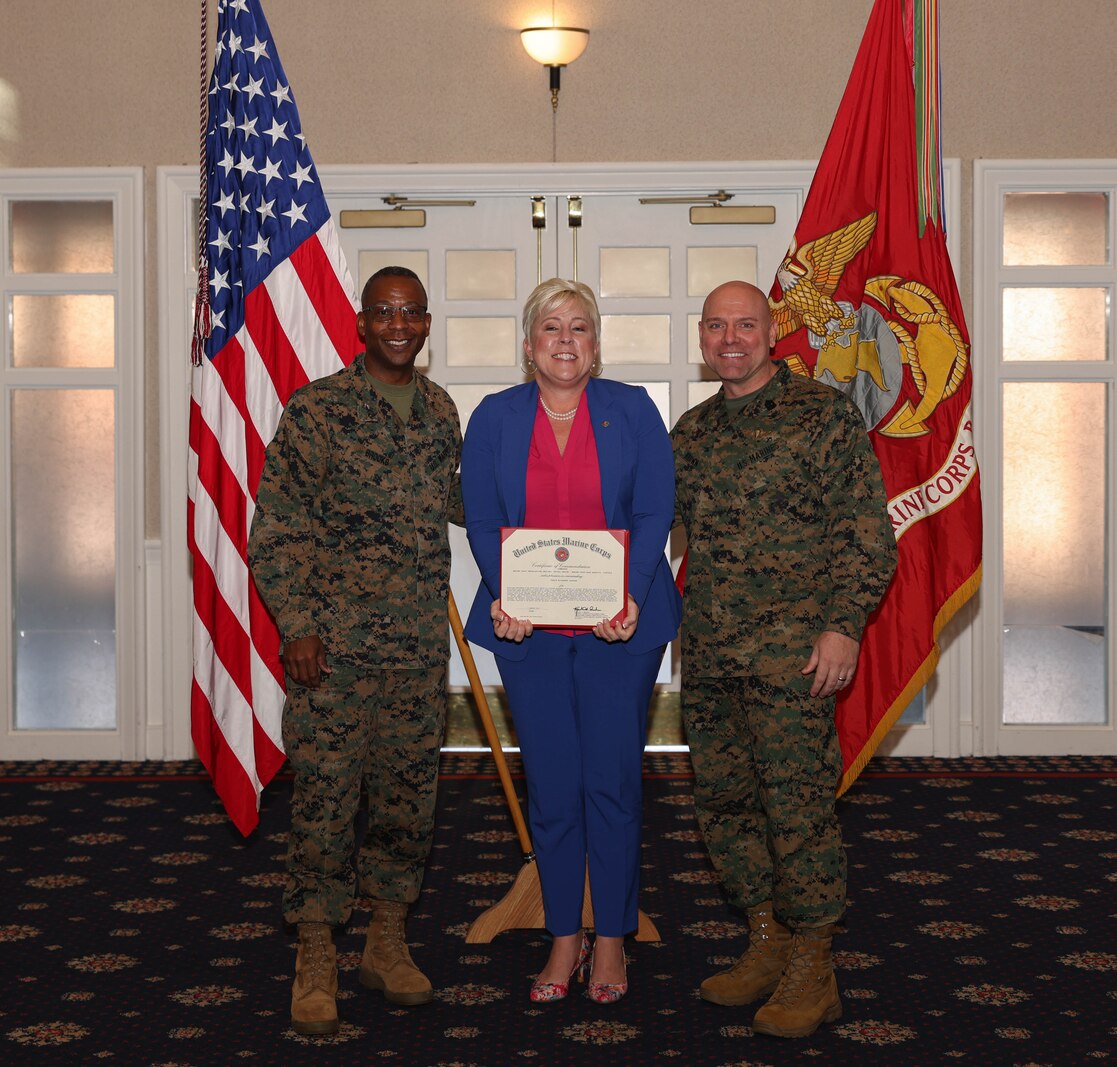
<point x="808" y="991"/>
<point x="758" y="971"/>
<point x="314" y="994"/>
<point x="386" y="963"/>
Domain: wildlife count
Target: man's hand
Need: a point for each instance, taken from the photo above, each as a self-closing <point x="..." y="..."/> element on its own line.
<point x="508" y="628"/>
<point x="305" y="661"/>
<point x="833" y="662"/>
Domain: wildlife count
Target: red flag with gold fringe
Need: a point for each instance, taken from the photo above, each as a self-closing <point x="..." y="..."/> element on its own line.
<point x="866" y="301"/>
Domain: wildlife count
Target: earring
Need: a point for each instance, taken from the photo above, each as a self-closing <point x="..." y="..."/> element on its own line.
<point x="527" y="364"/>
<point x="596" y="367"/>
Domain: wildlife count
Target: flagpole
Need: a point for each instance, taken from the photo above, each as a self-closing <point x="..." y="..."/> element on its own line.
<point x="202" y="320"/>
<point x="490" y="730"/>
<point x="522" y="906"/>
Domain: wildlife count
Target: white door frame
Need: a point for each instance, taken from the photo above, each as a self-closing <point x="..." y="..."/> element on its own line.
<point x="993" y="178"/>
<point x="123" y="186"/>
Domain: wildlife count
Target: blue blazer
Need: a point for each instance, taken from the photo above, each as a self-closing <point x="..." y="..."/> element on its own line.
<point x="637" y="492"/>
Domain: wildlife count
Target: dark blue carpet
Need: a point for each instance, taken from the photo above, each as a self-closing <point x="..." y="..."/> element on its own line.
<point x="137" y="928"/>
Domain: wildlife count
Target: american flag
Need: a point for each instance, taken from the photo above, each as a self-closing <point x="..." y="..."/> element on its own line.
<point x="283" y="313"/>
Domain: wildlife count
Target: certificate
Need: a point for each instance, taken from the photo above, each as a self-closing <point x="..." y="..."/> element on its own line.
<point x="571" y="579"/>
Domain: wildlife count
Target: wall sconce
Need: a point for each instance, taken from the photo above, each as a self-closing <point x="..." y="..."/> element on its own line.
<point x="555" y="47"/>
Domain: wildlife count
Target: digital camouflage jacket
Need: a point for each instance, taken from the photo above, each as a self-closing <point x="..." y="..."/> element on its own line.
<point x="349" y="539"/>
<point x="787" y="528"/>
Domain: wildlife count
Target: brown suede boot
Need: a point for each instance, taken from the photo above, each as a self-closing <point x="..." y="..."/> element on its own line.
<point x="386" y="963"/>
<point x="314" y="994"/>
<point x="808" y="991"/>
<point x="758" y="971"/>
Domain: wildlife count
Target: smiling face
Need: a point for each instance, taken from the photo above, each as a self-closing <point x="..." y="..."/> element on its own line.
<point x="563" y="344"/>
<point x="736" y="334"/>
<point x="391" y="344"/>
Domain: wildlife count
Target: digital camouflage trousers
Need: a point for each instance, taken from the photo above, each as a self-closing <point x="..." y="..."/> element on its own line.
<point x="767" y="765"/>
<point x="380" y="730"/>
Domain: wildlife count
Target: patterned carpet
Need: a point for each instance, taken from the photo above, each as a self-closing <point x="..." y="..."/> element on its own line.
<point x="137" y="928"/>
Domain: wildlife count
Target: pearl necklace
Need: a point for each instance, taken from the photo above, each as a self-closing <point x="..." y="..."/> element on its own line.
<point x="566" y="416"/>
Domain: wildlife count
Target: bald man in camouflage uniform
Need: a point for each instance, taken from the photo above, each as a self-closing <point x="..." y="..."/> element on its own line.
<point x="789" y="550"/>
<point x="349" y="550"/>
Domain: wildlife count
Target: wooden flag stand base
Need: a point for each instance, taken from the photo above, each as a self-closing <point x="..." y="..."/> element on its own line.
<point x="521" y="908"/>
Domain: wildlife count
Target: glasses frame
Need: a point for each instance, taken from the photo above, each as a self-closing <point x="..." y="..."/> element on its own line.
<point x="388" y="312"/>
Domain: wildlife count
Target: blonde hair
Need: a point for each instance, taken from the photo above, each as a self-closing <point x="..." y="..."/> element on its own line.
<point x="547" y="296"/>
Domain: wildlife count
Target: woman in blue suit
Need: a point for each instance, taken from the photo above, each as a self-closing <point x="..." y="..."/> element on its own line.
<point x="568" y="450"/>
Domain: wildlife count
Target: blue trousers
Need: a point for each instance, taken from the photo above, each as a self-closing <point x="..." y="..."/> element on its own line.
<point x="580" y="707"/>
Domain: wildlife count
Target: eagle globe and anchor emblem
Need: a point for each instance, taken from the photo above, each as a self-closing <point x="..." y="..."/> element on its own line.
<point x="862" y="350"/>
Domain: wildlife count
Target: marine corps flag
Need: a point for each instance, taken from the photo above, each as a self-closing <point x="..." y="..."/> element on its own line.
<point x="866" y="301"/>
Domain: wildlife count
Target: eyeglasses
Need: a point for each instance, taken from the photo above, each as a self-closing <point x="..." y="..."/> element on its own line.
<point x="387" y="312"/>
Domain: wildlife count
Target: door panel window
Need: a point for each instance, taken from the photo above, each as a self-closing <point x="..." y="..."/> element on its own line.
<point x="707" y="268"/>
<point x="1055" y="228"/>
<point x="481" y="275"/>
<point x="1054" y="522"/>
<point x="1061" y="323"/>
<point x="62" y="237"/>
<point x="485" y="341"/>
<point x="634" y="272"/>
<point x="63" y="503"/>
<point x="64" y="330"/>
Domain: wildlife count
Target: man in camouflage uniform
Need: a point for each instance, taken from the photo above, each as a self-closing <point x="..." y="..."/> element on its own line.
<point x="350" y="552"/>
<point x="789" y="550"/>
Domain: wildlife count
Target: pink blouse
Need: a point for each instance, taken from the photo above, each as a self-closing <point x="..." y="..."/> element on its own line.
<point x="564" y="488"/>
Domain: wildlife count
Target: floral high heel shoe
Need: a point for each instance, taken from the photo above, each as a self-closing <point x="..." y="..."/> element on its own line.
<point x="608" y="992"/>
<point x="543" y="992"/>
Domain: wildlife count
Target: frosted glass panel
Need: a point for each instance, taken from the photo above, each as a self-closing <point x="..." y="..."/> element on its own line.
<point x="635" y="272"/>
<point x="370" y="260"/>
<point x="660" y="392"/>
<point x="73" y="330"/>
<point x="636" y="338"/>
<point x="693" y="351"/>
<point x="62" y="236"/>
<point x="1054" y="494"/>
<point x="477" y="275"/>
<point x="64" y="558"/>
<point x="915" y="714"/>
<point x="481" y="342"/>
<point x="1055" y="567"/>
<point x="696" y="392"/>
<point x="467" y="397"/>
<point x="1055" y="229"/>
<point x="1054" y="675"/>
<point x="1055" y="324"/>
<point x="707" y="268"/>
